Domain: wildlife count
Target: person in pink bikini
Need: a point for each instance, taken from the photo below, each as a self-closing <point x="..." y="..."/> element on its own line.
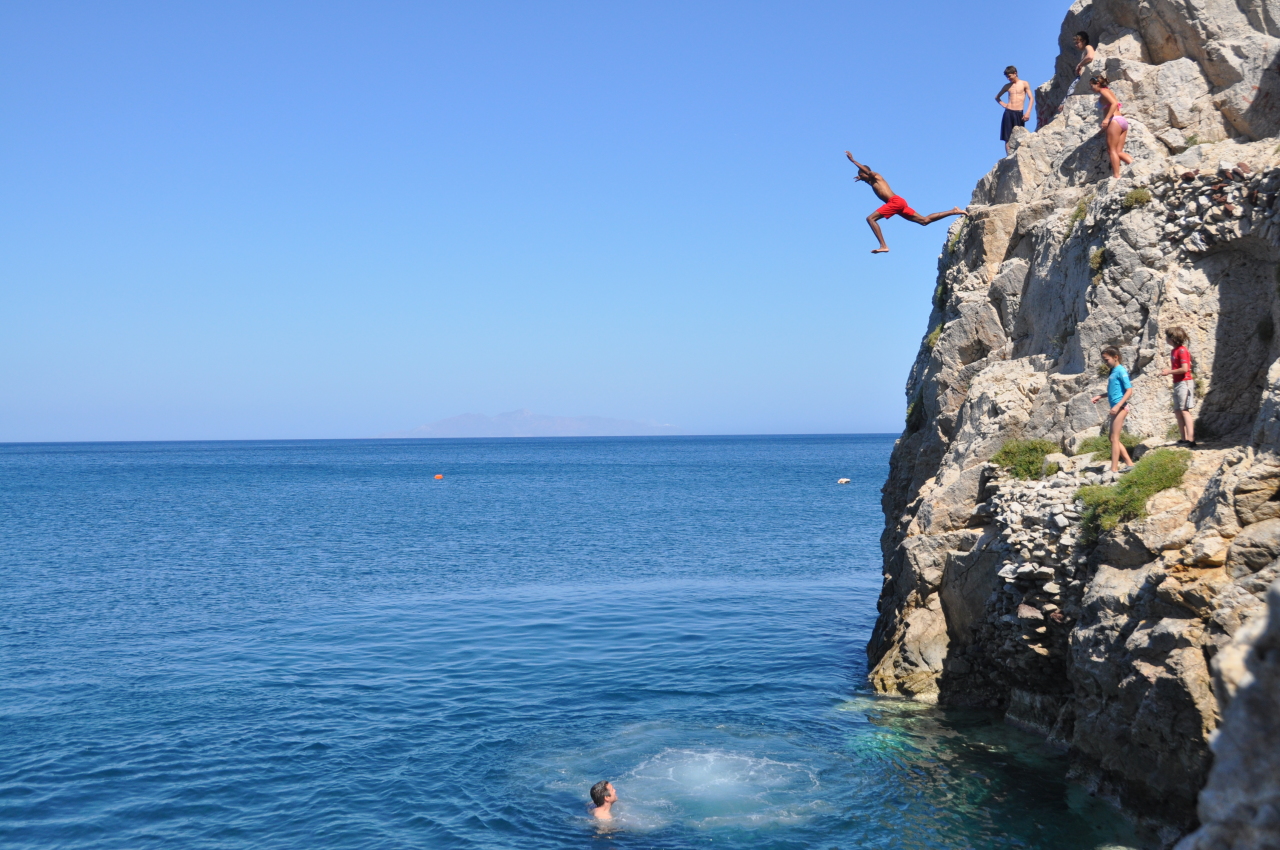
<point x="893" y="204"/>
<point x="1114" y="125"/>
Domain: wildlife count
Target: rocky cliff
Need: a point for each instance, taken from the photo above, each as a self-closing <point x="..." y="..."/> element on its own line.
<point x="1240" y="806"/>
<point x="1119" y="647"/>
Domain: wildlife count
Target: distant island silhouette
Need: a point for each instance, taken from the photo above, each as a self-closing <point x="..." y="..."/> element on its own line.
<point x="526" y="423"/>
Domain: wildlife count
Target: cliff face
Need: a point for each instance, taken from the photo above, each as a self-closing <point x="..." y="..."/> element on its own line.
<point x="1113" y="648"/>
<point x="1240" y="807"/>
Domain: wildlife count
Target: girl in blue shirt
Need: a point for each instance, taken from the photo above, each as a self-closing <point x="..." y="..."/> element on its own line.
<point x="1119" y="390"/>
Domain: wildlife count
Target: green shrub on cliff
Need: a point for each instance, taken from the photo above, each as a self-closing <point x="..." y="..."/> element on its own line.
<point x="1138" y="197"/>
<point x="916" y="415"/>
<point x="1108" y="506"/>
<point x="934" y="335"/>
<point x="1078" y="214"/>
<point x="940" y="293"/>
<point x="1101" y="445"/>
<point x="1024" y="458"/>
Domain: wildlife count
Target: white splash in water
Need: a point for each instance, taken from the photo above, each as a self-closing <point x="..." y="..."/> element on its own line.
<point x="715" y="788"/>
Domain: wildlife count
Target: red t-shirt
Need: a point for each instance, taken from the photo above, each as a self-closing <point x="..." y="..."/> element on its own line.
<point x="1181" y="357"/>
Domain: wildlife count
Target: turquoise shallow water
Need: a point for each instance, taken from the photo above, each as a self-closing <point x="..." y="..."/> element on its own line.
<point x="317" y="644"/>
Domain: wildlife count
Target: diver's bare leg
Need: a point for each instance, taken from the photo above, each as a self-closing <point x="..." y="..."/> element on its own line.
<point x="930" y="219"/>
<point x="875" y="228"/>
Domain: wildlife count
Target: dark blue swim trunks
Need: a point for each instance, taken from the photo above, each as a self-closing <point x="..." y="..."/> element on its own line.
<point x="1012" y="118"/>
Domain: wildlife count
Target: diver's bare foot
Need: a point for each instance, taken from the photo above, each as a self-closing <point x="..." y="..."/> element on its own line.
<point x="959" y="211"/>
<point x="879" y="250"/>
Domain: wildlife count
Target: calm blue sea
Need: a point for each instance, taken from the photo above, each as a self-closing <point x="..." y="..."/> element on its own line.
<point x="320" y="645"/>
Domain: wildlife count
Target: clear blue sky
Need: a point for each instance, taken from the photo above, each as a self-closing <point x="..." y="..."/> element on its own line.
<point x="289" y="220"/>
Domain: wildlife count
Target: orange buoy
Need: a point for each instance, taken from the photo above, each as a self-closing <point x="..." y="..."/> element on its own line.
<point x="438" y="477"/>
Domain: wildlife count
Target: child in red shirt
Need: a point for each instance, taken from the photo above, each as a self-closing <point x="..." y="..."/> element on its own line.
<point x="1184" y="385"/>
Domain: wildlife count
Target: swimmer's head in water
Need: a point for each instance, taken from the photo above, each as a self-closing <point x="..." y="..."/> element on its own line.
<point x="602" y="791"/>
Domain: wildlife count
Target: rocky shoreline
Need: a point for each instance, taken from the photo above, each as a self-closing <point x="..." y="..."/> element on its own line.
<point x="1140" y="649"/>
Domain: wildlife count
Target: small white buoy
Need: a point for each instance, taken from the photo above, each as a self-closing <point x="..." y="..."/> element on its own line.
<point x="843" y="481"/>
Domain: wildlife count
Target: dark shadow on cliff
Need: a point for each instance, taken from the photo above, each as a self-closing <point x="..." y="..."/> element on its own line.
<point x="1263" y="114"/>
<point x="976" y="673"/>
<point x="1088" y="163"/>
<point x="1245" y="344"/>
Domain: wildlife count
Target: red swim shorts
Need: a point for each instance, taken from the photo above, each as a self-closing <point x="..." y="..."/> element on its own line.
<point x="897" y="205"/>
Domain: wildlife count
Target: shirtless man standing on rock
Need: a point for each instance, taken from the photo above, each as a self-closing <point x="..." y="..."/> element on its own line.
<point x="893" y="204"/>
<point x="1015" y="113"/>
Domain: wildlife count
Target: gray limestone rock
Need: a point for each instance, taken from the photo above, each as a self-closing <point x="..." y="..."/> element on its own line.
<point x="1026" y="612"/>
<point x="1254" y="548"/>
<point x="995" y="594"/>
<point x="1240" y="806"/>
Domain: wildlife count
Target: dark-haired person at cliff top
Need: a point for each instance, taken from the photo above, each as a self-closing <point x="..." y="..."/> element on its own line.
<point x="1017" y="112"/>
<point x="1087" y="53"/>
<point x="893" y="204"/>
<point x="1115" y="127"/>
